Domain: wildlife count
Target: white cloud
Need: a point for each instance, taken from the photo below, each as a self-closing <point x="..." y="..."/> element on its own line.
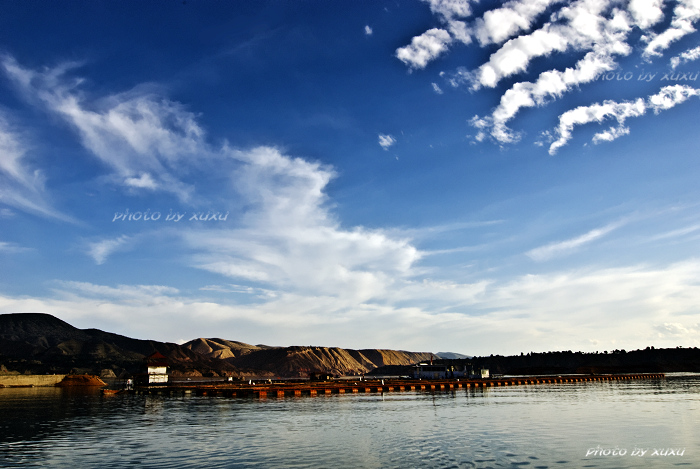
<point x="368" y="30"/>
<point x="233" y="288"/>
<point x="497" y="25"/>
<point x="145" y="181"/>
<point x="685" y="14"/>
<point x="21" y="186"/>
<point x="559" y="248"/>
<point x="676" y="233"/>
<point x="646" y="13"/>
<point x="433" y="42"/>
<point x="126" y="293"/>
<point x="515" y="55"/>
<point x="437" y="88"/>
<point x="582" y="25"/>
<point x="685" y="57"/>
<point x="670" y="96"/>
<point x="631" y="307"/>
<point x="675" y="330"/>
<point x="11" y="156"/>
<point x="100" y="250"/>
<point x="289" y="238"/>
<point x="450" y="9"/>
<point x="611" y="134"/>
<point x="146" y="141"/>
<point x="594" y="113"/>
<point x="666" y="98"/>
<point x="386" y="141"/>
<point x="424" y="48"/>
<point x="552" y="84"/>
<point x="11" y="248"/>
<point x="595" y="31"/>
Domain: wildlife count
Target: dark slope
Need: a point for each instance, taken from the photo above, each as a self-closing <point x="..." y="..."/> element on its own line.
<point x="41" y="343"/>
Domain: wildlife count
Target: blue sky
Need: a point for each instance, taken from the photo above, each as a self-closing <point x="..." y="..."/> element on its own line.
<point x="443" y="175"/>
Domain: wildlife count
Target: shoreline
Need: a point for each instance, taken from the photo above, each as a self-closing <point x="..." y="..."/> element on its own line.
<point x="297" y="389"/>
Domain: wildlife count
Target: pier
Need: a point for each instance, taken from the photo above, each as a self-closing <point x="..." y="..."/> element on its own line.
<point x="265" y="389"/>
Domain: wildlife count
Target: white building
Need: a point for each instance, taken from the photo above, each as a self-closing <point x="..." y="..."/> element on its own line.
<point x="156" y="368"/>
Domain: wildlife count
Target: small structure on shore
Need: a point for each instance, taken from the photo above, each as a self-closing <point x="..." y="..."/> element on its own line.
<point x="156" y="370"/>
<point x="447" y="369"/>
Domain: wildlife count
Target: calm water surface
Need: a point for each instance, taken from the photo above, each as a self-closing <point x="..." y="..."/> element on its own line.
<point x="536" y="426"/>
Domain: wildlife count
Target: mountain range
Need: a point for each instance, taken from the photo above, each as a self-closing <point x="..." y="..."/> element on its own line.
<point x="39" y="343"/>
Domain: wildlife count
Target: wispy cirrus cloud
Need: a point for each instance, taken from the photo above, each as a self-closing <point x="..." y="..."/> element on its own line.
<point x="560" y="248"/>
<point x="673" y="234"/>
<point x="101" y="250"/>
<point x="11" y="247"/>
<point x="147" y="141"/>
<point x="22" y="186"/>
<point x="121" y="292"/>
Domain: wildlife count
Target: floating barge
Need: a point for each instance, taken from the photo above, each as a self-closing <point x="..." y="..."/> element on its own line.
<point x="265" y="389"/>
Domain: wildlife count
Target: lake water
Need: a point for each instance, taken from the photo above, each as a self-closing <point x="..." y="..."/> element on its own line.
<point x="618" y="424"/>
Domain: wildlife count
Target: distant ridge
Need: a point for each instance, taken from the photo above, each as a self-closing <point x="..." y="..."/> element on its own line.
<point x="452" y="355"/>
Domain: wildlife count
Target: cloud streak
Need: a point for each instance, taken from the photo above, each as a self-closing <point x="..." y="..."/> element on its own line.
<point x="687" y="56"/>
<point x="685" y="14"/>
<point x="666" y="98"/>
<point x="145" y="140"/>
<point x="560" y="248"/>
<point x="424" y="48"/>
<point x="101" y="250"/>
<point x="21" y="186"/>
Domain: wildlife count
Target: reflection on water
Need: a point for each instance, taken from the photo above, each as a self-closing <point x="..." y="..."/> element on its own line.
<point x="537" y="426"/>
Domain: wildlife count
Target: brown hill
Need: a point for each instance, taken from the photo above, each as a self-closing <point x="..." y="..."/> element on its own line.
<point x="220" y="348"/>
<point x="302" y="361"/>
